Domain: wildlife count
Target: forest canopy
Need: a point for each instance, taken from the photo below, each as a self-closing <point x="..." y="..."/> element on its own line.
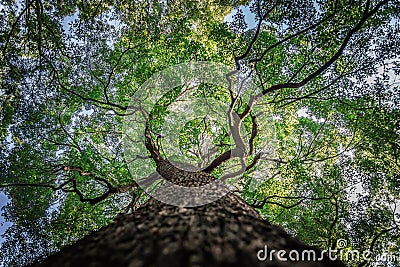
<point x="321" y="135"/>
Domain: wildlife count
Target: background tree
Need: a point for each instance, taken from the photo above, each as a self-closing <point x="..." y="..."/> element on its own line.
<point x="323" y="142"/>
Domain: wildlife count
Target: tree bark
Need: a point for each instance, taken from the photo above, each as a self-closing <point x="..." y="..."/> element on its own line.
<point x="227" y="232"/>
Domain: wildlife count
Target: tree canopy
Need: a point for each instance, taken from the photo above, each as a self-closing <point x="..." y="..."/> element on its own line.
<point x="321" y="133"/>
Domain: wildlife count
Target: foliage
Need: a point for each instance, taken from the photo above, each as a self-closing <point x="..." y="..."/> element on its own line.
<point x="322" y="138"/>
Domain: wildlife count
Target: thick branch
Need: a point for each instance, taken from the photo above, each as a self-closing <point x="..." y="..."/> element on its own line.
<point x="72" y="182"/>
<point x="321" y="69"/>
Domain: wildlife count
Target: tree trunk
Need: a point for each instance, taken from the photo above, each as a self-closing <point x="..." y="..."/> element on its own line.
<point x="227" y="232"/>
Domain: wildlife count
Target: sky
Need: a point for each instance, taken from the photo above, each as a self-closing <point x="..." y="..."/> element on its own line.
<point x="3" y="225"/>
<point x="249" y="17"/>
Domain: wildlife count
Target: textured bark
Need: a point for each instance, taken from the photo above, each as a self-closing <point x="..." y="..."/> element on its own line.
<point x="227" y="232"/>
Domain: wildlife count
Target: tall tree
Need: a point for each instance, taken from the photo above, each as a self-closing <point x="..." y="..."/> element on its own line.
<point x="314" y="147"/>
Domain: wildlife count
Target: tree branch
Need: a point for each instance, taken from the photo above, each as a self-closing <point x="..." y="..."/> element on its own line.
<point x="322" y="68"/>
